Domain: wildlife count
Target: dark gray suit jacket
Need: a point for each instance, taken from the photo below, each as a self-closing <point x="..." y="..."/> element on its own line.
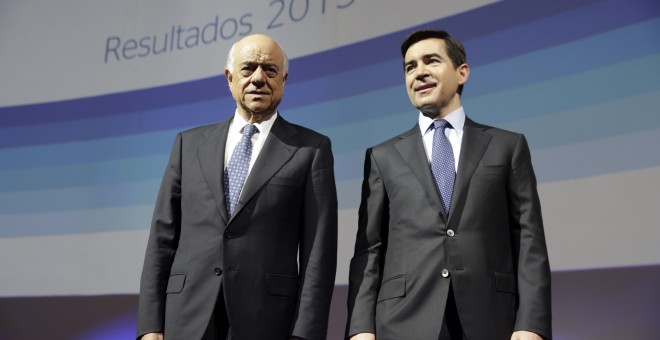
<point x="276" y="256"/>
<point x="496" y="259"/>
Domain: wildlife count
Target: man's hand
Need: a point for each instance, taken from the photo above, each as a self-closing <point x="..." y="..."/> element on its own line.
<point x="364" y="336"/>
<point x="153" y="336"/>
<point x="525" y="335"/>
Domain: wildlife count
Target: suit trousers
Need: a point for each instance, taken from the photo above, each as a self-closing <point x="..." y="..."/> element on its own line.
<point x="218" y="327"/>
<point x="451" y="323"/>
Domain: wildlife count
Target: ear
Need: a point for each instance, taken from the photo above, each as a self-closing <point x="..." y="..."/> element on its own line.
<point x="463" y="72"/>
<point x="228" y="75"/>
<point x="286" y="76"/>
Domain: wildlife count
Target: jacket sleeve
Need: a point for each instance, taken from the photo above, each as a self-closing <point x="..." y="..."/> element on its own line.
<point x="161" y="247"/>
<point x="365" y="268"/>
<point x="318" y="247"/>
<point x="533" y="273"/>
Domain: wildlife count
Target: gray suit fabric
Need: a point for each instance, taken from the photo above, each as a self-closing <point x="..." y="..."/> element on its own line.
<point x="275" y="257"/>
<point x="496" y="259"/>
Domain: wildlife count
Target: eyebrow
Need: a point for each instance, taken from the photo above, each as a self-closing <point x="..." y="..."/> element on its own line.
<point x="254" y="63"/>
<point x="426" y="56"/>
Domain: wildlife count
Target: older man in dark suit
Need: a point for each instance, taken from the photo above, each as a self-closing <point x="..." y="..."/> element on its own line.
<point x="450" y="243"/>
<point x="243" y="241"/>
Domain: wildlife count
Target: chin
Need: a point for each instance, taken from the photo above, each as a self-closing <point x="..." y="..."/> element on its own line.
<point x="262" y="111"/>
<point x="258" y="108"/>
<point x="431" y="110"/>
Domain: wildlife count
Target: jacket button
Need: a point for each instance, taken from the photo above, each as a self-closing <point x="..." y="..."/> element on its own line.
<point x="450" y="233"/>
<point x="229" y="235"/>
<point x="217" y="271"/>
<point x="445" y="273"/>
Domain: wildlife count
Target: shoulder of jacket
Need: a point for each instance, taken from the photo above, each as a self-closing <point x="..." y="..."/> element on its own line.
<point x="410" y="133"/>
<point x="199" y="129"/>
<point x="494" y="131"/>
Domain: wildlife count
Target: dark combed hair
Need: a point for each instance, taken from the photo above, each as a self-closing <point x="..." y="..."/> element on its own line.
<point x="454" y="48"/>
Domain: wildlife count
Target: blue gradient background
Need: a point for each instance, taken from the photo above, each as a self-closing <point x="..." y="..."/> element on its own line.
<point x="565" y="73"/>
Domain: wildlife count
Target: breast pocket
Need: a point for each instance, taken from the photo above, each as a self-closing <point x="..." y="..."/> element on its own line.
<point x="285" y="182"/>
<point x="490" y="170"/>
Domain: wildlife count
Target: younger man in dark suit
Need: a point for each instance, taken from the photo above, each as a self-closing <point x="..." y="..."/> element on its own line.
<point x="450" y="241"/>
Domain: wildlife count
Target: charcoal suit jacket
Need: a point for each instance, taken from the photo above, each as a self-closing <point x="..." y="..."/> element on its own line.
<point x="490" y="246"/>
<point x="275" y="257"/>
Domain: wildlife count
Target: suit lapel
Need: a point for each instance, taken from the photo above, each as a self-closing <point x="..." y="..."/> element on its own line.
<point x="211" y="156"/>
<point x="276" y="152"/>
<point x="411" y="149"/>
<point x="474" y="144"/>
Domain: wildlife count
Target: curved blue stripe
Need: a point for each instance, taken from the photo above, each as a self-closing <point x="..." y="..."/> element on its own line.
<point x="545" y="98"/>
<point x="604" y="119"/>
<point x="578" y="56"/>
<point x="574" y="91"/>
<point x="140" y="145"/>
<point x="564" y="130"/>
<point x="86" y="174"/>
<point x="532" y="68"/>
<point x="155" y="120"/>
<point x="619" y="153"/>
<point x="585" y="159"/>
<point x="593" y="52"/>
<point x="200" y="90"/>
<point x="79" y="198"/>
<point x="603" y="15"/>
<point x="76" y="221"/>
<point x="358" y="122"/>
<point x="548" y="31"/>
<point x="517" y="13"/>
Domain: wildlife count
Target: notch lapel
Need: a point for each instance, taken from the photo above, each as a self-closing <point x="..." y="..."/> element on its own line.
<point x="411" y="149"/>
<point x="276" y="152"/>
<point x="211" y="157"/>
<point x="474" y="144"/>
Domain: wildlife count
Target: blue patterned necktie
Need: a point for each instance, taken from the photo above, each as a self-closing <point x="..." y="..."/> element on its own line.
<point x="237" y="168"/>
<point x="442" y="163"/>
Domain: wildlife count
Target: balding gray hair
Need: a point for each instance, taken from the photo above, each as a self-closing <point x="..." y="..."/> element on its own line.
<point x="229" y="64"/>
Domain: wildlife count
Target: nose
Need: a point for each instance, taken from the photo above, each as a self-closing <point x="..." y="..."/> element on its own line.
<point x="258" y="77"/>
<point x="421" y="71"/>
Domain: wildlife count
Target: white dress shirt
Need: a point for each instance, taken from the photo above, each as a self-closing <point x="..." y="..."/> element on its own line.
<point x="258" y="139"/>
<point x="455" y="135"/>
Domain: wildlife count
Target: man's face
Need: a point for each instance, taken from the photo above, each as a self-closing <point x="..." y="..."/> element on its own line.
<point x="257" y="78"/>
<point x="431" y="79"/>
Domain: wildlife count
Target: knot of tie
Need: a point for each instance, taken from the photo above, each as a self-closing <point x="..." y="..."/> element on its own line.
<point x="441" y="124"/>
<point x="249" y="130"/>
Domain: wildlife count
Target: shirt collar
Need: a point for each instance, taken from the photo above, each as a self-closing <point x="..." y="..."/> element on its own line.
<point x="456" y="118"/>
<point x="263" y="127"/>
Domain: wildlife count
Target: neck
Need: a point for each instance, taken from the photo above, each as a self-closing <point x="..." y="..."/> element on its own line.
<point x="253" y="117"/>
<point x="440" y="112"/>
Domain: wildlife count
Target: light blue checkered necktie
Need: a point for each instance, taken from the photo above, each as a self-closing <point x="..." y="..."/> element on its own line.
<point x="237" y="168"/>
<point x="442" y="163"/>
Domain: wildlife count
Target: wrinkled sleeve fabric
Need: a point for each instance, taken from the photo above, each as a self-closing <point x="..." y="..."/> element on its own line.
<point x="161" y="247"/>
<point x="365" y="267"/>
<point x="318" y="247"/>
<point x="533" y="274"/>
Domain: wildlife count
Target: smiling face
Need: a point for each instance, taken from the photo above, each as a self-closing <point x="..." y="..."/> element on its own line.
<point x="432" y="80"/>
<point x="256" y="77"/>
